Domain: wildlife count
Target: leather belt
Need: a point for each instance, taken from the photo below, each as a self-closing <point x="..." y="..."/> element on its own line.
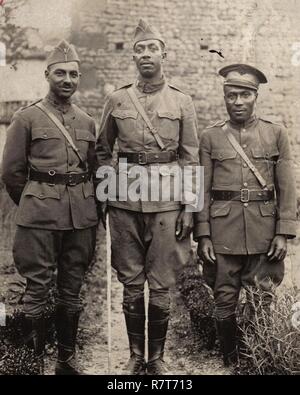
<point x="244" y="195"/>
<point x="51" y="177"/>
<point x="144" y="158"/>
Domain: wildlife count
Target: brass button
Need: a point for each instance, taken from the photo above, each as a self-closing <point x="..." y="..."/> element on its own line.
<point x="156" y="156"/>
<point x="259" y="194"/>
<point x="244" y="165"/>
<point x="243" y="130"/>
<point x="45" y="135"/>
<point x="220" y="156"/>
<point x="245" y="184"/>
<point x="245" y="204"/>
<point x="244" y="145"/>
<point x="41" y="195"/>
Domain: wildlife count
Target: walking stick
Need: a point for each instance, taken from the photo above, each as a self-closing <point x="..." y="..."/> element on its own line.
<point x="108" y="274"/>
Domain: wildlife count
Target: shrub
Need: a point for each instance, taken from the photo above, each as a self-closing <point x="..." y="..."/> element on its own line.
<point x="198" y="299"/>
<point x="270" y="342"/>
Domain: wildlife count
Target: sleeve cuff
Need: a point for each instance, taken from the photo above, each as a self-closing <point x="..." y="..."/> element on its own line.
<point x="286" y="227"/>
<point x="201" y="229"/>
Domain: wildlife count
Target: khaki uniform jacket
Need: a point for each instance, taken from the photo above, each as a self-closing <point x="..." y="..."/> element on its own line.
<point x="246" y="228"/>
<point x="172" y="113"/>
<point x="33" y="141"/>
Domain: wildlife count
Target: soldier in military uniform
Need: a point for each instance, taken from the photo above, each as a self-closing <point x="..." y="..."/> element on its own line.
<point x="150" y="239"/>
<point x="56" y="218"/>
<point x="250" y="205"/>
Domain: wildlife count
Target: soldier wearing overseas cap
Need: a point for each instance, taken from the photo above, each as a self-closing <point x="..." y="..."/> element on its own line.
<point x="150" y="239"/>
<point x="57" y="216"/>
<point x="250" y="206"/>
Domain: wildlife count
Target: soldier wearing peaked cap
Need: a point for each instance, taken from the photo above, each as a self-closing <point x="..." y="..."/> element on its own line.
<point x="150" y="239"/>
<point x="250" y="204"/>
<point x="47" y="165"/>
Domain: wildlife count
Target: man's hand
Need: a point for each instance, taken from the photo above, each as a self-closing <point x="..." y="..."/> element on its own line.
<point x="206" y="250"/>
<point x="102" y="212"/>
<point x="184" y="224"/>
<point x="278" y="249"/>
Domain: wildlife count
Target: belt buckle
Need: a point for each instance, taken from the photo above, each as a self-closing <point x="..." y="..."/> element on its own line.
<point x="245" y="195"/>
<point x="71" y="181"/>
<point x="142" y="158"/>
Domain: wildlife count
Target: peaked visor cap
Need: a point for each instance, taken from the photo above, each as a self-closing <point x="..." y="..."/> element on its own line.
<point x="243" y="75"/>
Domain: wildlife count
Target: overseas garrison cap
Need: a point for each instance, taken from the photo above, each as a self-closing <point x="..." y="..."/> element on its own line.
<point x="243" y="75"/>
<point x="144" y="31"/>
<point x="62" y="53"/>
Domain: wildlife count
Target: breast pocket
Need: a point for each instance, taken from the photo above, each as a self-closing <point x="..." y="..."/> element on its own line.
<point x="226" y="167"/>
<point x="46" y="146"/>
<point x="270" y="154"/>
<point x="223" y="154"/>
<point x="126" y="121"/>
<point x="83" y="139"/>
<point x="168" y="124"/>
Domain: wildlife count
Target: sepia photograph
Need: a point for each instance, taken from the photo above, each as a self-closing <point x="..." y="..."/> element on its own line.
<point x="149" y="189"/>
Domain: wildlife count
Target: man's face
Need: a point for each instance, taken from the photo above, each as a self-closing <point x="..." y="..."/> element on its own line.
<point x="148" y="57"/>
<point x="63" y="79"/>
<point x="240" y="103"/>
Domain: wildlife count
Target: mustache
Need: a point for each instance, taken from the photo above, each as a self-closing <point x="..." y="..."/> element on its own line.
<point x="67" y="85"/>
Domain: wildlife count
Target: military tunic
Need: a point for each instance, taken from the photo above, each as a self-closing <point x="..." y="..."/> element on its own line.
<point x="172" y="113"/>
<point x="33" y="141"/>
<point x="56" y="223"/>
<point x="246" y="228"/>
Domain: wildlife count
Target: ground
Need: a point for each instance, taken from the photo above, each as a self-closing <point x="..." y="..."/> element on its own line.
<point x="183" y="353"/>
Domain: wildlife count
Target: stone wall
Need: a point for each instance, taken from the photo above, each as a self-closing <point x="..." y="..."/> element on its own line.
<point x="261" y="33"/>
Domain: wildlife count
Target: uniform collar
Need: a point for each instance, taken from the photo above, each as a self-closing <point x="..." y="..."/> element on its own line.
<point x="64" y="106"/>
<point x="150" y="87"/>
<point x="245" y="125"/>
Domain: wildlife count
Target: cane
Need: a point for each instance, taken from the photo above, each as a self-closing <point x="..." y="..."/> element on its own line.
<point x="108" y="274"/>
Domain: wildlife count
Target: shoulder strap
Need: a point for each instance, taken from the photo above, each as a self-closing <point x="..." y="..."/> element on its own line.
<point x="145" y="117"/>
<point x="62" y="129"/>
<point x="244" y="156"/>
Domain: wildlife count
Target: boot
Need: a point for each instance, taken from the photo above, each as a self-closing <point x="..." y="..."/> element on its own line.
<point x="135" y="323"/>
<point x="66" y="328"/>
<point x="34" y="331"/>
<point x="158" y="319"/>
<point x="227" y="333"/>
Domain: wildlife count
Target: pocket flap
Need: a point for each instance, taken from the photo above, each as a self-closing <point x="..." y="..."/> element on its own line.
<point x="41" y="190"/>
<point x="220" y="210"/>
<point x="123" y="114"/>
<point x="88" y="189"/>
<point x="260" y="153"/>
<point x="169" y="114"/>
<point x="267" y="209"/>
<point x="84" y="134"/>
<point x="45" y="133"/>
<point x="223" y="154"/>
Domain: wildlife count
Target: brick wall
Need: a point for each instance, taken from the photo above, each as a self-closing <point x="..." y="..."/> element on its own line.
<point x="261" y="33"/>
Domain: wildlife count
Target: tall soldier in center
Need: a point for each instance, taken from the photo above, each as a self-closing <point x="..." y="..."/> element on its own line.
<point x="155" y="126"/>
